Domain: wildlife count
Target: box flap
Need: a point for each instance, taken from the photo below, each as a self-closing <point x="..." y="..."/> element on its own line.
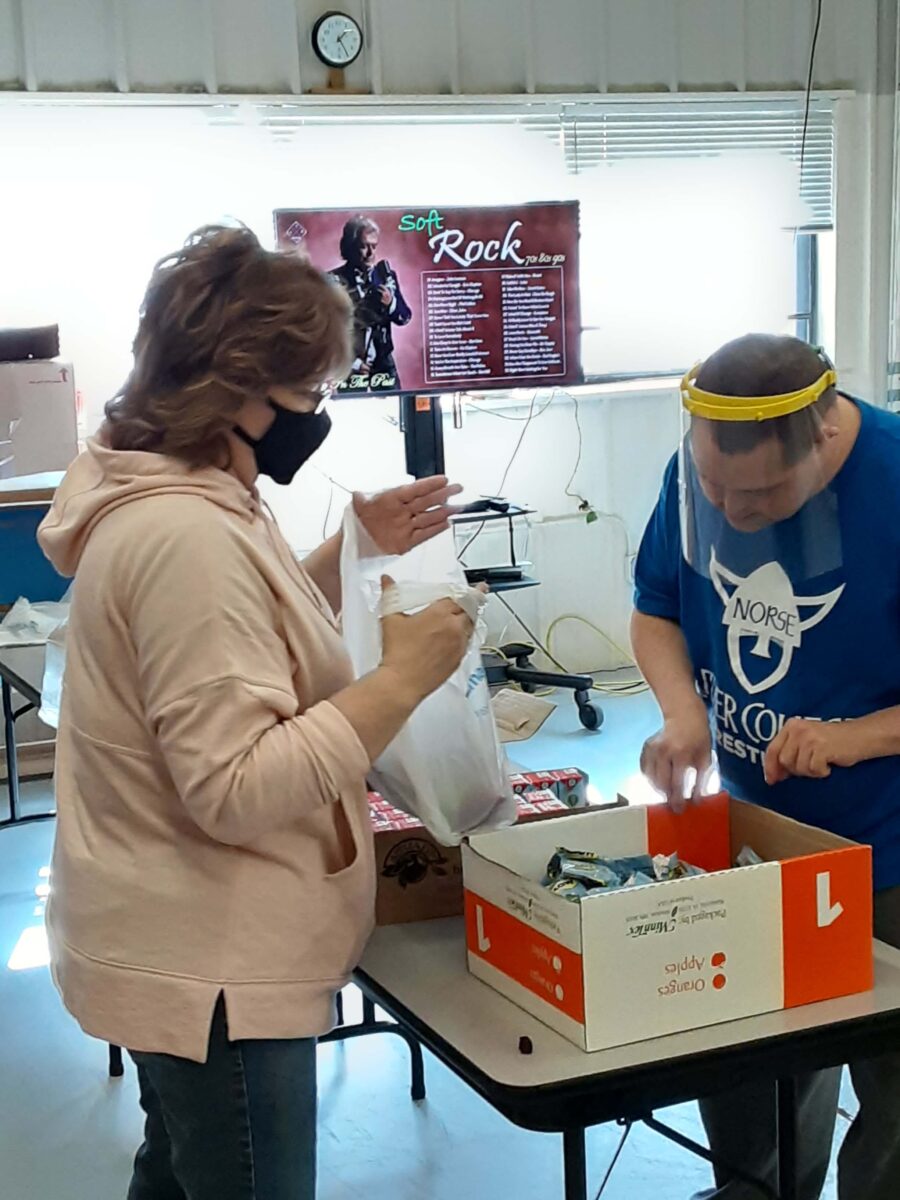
<point x="526" y="849"/>
<point x="775" y="837"/>
<point x="700" y="834"/>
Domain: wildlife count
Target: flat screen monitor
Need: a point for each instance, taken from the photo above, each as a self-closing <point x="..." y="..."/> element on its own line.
<point x="451" y="299"/>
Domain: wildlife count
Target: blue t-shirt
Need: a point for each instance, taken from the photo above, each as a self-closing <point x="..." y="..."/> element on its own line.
<point x="831" y="649"/>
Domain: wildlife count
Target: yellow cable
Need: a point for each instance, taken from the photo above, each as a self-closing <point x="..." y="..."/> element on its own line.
<point x="629" y="661"/>
<point x="516" y="686"/>
<point x="629" y="688"/>
<point x="496" y="650"/>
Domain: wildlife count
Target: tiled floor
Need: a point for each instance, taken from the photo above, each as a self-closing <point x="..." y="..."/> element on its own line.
<point x="67" y="1132"/>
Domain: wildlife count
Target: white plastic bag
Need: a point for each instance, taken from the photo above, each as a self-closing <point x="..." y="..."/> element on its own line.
<point x="446" y="766"/>
<point x="28" y="624"/>
<point x="54" y="668"/>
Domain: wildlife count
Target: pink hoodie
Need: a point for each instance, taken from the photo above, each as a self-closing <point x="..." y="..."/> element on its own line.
<point x="213" y="831"/>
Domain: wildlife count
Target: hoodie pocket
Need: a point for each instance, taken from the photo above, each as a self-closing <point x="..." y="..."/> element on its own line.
<point x="347" y="851"/>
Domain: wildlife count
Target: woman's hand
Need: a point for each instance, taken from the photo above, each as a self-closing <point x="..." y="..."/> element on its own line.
<point x="423" y="650"/>
<point x="418" y="654"/>
<point x="404" y="517"/>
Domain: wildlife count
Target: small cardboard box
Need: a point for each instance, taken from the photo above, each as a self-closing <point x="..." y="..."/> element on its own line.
<point x="642" y="962"/>
<point x="419" y="880"/>
<point x="38" y="407"/>
<point x="569" y="784"/>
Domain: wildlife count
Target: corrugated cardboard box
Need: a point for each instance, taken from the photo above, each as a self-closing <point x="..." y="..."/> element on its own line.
<point x="37" y="408"/>
<point x="641" y="962"/>
<point x="419" y="880"/>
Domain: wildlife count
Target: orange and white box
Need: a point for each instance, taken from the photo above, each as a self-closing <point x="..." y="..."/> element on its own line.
<point x="641" y="962"/>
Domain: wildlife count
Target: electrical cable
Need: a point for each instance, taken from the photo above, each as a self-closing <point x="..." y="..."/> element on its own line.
<point x="327" y="513"/>
<point x="535" y="639"/>
<point x="607" y="688"/>
<point x="596" y="628"/>
<point x="547" y="691"/>
<point x="333" y="482"/>
<point x="615" y="1158"/>
<point x="582" y="502"/>
<point x="475" y="535"/>
<point x="810" y="75"/>
<point x="633" y="687"/>
<point x="495" y="650"/>
<point x="518" y="446"/>
<point x="809" y="85"/>
<point x="491" y="412"/>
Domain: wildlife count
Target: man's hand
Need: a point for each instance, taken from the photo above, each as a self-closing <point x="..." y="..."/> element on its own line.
<point x="683" y="744"/>
<point x="810" y="749"/>
<point x="404" y="517"/>
<point x="387" y="296"/>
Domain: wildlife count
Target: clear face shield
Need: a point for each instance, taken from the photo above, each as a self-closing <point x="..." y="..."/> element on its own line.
<point x="758" y="517"/>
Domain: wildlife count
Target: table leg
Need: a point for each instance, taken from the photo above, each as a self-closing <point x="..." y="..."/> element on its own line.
<point x="575" y="1160"/>
<point x="371" y="1024"/>
<point x="786" y="1093"/>
<point x="12" y="763"/>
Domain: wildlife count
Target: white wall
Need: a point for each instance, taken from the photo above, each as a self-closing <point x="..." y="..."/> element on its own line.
<point x="627" y="438"/>
<point x="436" y="46"/>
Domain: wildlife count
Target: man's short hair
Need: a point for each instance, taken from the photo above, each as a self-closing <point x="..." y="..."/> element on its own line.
<point x="762" y="364"/>
<point x="353" y="231"/>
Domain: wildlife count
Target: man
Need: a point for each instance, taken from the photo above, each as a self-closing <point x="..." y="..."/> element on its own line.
<point x="378" y="304"/>
<point x="768" y="610"/>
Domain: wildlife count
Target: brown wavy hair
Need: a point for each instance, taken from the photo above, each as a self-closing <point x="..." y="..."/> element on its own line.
<point x="223" y="320"/>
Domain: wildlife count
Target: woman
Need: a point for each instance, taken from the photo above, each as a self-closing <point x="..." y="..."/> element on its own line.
<point x="213" y="872"/>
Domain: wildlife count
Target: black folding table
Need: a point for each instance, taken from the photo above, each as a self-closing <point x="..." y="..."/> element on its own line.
<point x="22" y="672"/>
<point x="417" y="974"/>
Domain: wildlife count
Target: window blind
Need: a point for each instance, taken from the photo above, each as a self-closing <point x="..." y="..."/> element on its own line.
<point x="615" y="133"/>
<point x="592" y="133"/>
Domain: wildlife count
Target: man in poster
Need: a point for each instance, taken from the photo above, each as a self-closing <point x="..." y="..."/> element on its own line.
<point x="378" y="305"/>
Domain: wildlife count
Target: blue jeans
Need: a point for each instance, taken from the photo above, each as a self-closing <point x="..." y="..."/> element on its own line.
<point x="241" y="1126"/>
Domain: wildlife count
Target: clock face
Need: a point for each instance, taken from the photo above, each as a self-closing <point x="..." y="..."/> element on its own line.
<point x="337" y="39"/>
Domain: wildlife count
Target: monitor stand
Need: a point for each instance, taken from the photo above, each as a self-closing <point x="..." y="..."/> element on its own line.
<point x="423" y="432"/>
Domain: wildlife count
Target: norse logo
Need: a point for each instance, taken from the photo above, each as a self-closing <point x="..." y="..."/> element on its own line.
<point x="764" y="607"/>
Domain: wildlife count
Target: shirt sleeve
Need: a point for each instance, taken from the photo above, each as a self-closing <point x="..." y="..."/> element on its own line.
<point x="657" y="587"/>
<point x="217" y="685"/>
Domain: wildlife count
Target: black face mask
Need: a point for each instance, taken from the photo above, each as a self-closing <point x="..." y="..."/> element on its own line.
<point x="291" y="439"/>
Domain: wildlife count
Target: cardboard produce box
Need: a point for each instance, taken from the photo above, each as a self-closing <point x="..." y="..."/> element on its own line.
<point x="419" y="880"/>
<point x="640" y="962"/>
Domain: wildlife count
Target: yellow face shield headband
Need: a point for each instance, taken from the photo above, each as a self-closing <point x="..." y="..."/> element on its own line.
<point x="749" y="408"/>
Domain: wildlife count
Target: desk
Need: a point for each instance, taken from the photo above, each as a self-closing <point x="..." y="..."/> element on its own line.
<point x="21" y="670"/>
<point x="417" y="974"/>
